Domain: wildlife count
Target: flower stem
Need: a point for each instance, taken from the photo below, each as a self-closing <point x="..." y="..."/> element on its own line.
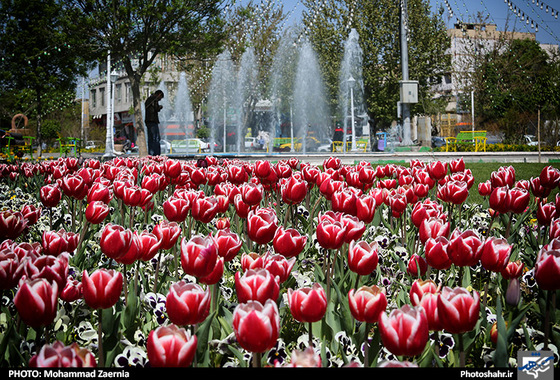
<point x="101" y="362"/>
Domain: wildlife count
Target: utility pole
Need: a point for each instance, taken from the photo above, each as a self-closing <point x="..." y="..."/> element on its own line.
<point x="404" y="58"/>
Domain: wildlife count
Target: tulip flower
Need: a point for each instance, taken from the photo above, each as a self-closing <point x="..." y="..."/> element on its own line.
<point x="425" y="293"/>
<point x="96" y="212"/>
<point x="518" y="200"/>
<point x="432" y="227"/>
<point x="495" y="254"/>
<point x="54" y="242"/>
<point x="102" y="289"/>
<point x="417" y="266"/>
<point x="344" y="201"/>
<point x="504" y="176"/>
<point x="331" y="234"/>
<point x="57" y="355"/>
<point x="279" y="266"/>
<point x="251" y="260"/>
<point x="550" y="177"/>
<point x="465" y="248"/>
<point x="50" y="195"/>
<point x="485" y="188"/>
<point x="99" y="192"/>
<point x="72" y="291"/>
<point x="204" y="209"/>
<point x="252" y="193"/>
<point x="257" y="284"/>
<point x="547" y="268"/>
<point x="499" y="199"/>
<point x="262" y="225"/>
<point x="538" y="189"/>
<point x="294" y="190"/>
<point x="12" y="224"/>
<point x="404" y="331"/>
<point x="425" y="210"/>
<point x="36" y="301"/>
<point x="437" y="169"/>
<point x="215" y="275"/>
<point x="365" y="208"/>
<point x="453" y="191"/>
<point x="172" y="168"/>
<point x="288" y="242"/>
<point x="176" y="209"/>
<point x="436" y="253"/>
<point x="199" y="255"/>
<point x="362" y="257"/>
<point x="187" y="303"/>
<point x="367" y="303"/>
<point x="54" y="269"/>
<point x="256" y="325"/>
<point x="115" y="240"/>
<point x="168" y="233"/>
<point x="74" y="186"/>
<point x="228" y="243"/>
<point x="458" y="309"/>
<point x="171" y="346"/>
<point x="11" y="269"/>
<point x="456" y="166"/>
<point x="308" y="304"/>
<point x="546" y="212"/>
<point x="134" y="251"/>
<point x="31" y="214"/>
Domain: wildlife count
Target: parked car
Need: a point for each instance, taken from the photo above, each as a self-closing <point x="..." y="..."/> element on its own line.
<point x="437" y="142"/>
<point x="251" y="143"/>
<point x="531" y="140"/>
<point x="325" y="147"/>
<point x="165" y="146"/>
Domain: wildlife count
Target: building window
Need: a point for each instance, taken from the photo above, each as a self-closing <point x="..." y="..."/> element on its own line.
<point x="102" y="96"/>
<point x="118" y="92"/>
<point x="93" y="98"/>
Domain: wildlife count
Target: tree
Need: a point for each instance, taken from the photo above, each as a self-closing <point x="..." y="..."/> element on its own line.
<point x="511" y="84"/>
<point x="258" y="28"/>
<point x="41" y="51"/>
<point x="377" y="23"/>
<point x="135" y="32"/>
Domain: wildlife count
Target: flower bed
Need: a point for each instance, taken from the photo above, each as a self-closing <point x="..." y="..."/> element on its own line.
<point x="226" y="263"/>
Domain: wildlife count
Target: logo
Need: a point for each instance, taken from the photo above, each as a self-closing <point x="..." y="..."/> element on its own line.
<point x="534" y="365"/>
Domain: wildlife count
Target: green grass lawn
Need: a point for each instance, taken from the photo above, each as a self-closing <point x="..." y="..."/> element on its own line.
<point x="482" y="170"/>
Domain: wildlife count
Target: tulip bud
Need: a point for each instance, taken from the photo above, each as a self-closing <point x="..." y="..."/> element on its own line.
<point x="256" y="325"/>
<point x="308" y="304"/>
<point x="171" y="346"/>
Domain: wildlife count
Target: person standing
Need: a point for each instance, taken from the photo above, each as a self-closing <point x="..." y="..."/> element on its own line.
<point x="152" y="122"/>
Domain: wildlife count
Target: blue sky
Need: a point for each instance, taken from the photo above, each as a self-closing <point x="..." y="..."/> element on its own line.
<point x="511" y="13"/>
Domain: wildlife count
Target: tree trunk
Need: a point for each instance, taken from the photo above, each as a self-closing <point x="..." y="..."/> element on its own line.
<point x="135" y="79"/>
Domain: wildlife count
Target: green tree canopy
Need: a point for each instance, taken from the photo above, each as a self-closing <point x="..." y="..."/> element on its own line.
<point x="135" y="32"/>
<point x="42" y="53"/>
<point x="511" y="84"/>
<point x="378" y="25"/>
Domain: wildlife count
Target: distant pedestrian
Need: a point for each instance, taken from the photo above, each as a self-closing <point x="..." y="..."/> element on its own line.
<point x="152" y="122"/>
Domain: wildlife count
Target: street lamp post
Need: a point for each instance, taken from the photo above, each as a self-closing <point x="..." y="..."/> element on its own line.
<point x="112" y="77"/>
<point x="351" y="82"/>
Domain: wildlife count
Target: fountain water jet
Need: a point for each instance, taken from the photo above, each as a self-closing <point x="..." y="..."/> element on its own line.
<point x="220" y="99"/>
<point x="311" y="116"/>
<point x="351" y="67"/>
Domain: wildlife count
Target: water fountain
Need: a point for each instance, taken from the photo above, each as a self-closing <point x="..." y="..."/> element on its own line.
<point x="310" y="112"/>
<point x="351" y="87"/>
<point x="182" y="106"/>
<point x="220" y="99"/>
<point x="246" y="94"/>
<point x="281" y="90"/>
